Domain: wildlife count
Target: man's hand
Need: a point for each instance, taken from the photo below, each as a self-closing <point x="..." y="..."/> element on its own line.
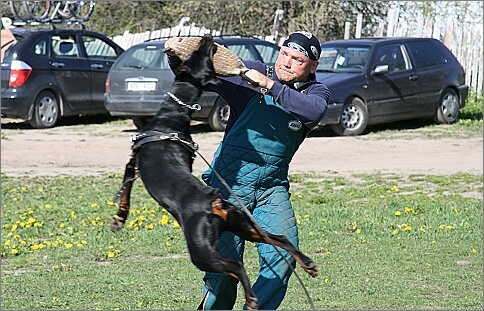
<point x="259" y="78"/>
<point x="169" y="43"/>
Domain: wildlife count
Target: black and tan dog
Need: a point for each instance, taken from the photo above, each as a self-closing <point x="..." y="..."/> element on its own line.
<point x="163" y="155"/>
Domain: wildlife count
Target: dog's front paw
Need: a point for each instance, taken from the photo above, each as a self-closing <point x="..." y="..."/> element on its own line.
<point x="312" y="269"/>
<point x="117" y="223"/>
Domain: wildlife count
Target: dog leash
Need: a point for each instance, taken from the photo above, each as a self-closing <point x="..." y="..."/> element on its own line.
<point x="247" y="212"/>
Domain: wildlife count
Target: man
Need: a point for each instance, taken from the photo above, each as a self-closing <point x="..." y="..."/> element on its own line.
<point x="266" y="126"/>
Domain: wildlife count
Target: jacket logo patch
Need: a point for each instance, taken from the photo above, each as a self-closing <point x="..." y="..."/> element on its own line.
<point x="294" y="125"/>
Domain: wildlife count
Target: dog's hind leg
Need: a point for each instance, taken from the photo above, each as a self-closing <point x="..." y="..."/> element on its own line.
<point x="125" y="195"/>
<point x="240" y="224"/>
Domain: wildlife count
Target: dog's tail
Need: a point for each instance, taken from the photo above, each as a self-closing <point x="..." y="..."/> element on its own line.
<point x="124" y="196"/>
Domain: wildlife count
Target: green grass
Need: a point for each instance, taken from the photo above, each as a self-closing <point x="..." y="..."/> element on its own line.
<point x="380" y="241"/>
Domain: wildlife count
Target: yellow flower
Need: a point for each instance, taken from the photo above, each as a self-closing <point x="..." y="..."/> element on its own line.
<point x="48" y="205"/>
<point x="94" y="205"/>
<point x="69" y="245"/>
<point x="164" y="220"/>
<point x="62" y="225"/>
<point x="110" y="254"/>
<point x="14" y="251"/>
<point x="409" y="210"/>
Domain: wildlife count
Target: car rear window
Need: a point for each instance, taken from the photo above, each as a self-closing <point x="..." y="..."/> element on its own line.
<point x="343" y="58"/>
<point x="148" y="56"/>
<point x="268" y="53"/>
<point x="425" y="54"/>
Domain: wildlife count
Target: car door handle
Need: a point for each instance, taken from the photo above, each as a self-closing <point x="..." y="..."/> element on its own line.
<point x="97" y="66"/>
<point x="413" y="78"/>
<point x="58" y="65"/>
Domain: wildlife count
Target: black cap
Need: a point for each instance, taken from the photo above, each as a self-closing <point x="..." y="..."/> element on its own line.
<point x="304" y="42"/>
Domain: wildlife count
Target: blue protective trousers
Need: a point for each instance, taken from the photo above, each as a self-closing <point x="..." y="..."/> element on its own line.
<point x="268" y="200"/>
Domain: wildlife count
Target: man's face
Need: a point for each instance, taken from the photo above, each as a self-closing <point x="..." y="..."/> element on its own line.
<point x="292" y="66"/>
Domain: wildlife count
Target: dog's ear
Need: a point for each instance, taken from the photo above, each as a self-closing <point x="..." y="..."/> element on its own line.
<point x="211" y="78"/>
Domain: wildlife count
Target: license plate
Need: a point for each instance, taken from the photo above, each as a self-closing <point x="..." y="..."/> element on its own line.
<point x="141" y="86"/>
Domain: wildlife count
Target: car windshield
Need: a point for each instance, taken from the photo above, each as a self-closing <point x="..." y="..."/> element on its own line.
<point x="343" y="58"/>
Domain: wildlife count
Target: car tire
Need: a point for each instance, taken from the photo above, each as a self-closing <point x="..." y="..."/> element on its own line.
<point x="141" y="122"/>
<point x="46" y="111"/>
<point x="354" y="119"/>
<point x="217" y="120"/>
<point x="448" y="109"/>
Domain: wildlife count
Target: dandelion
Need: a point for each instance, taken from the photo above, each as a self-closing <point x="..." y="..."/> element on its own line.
<point x="164" y="220"/>
<point x="47" y="206"/>
<point x="41" y="189"/>
<point x="110" y="203"/>
<point x="14" y="251"/>
<point x="149" y="227"/>
<point x="110" y="254"/>
<point x="68" y="245"/>
<point x="409" y="210"/>
<point x="394" y="188"/>
<point x="398" y="213"/>
<point x="94" y="205"/>
<point x="474" y="251"/>
<point x="62" y="225"/>
<point x="395" y="232"/>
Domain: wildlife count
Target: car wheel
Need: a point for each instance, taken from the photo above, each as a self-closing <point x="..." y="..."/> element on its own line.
<point x="141" y="122"/>
<point x="219" y="116"/>
<point x="354" y="119"/>
<point x="448" y="109"/>
<point x="46" y="111"/>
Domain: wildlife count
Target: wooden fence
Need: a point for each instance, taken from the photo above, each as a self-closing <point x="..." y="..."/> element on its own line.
<point x="464" y="40"/>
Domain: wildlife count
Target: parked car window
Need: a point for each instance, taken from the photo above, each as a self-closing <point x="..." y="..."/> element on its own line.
<point x="343" y="59"/>
<point x="65" y="46"/>
<point x="425" y="54"/>
<point x="40" y="48"/>
<point x="392" y="56"/>
<point x="268" y="53"/>
<point x="97" y="48"/>
<point x="149" y="56"/>
<point x="242" y="50"/>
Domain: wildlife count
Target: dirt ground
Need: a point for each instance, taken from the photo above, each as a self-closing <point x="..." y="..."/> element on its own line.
<point x="78" y="148"/>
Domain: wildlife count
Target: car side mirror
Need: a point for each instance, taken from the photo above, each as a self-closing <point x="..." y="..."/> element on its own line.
<point x="380" y="70"/>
